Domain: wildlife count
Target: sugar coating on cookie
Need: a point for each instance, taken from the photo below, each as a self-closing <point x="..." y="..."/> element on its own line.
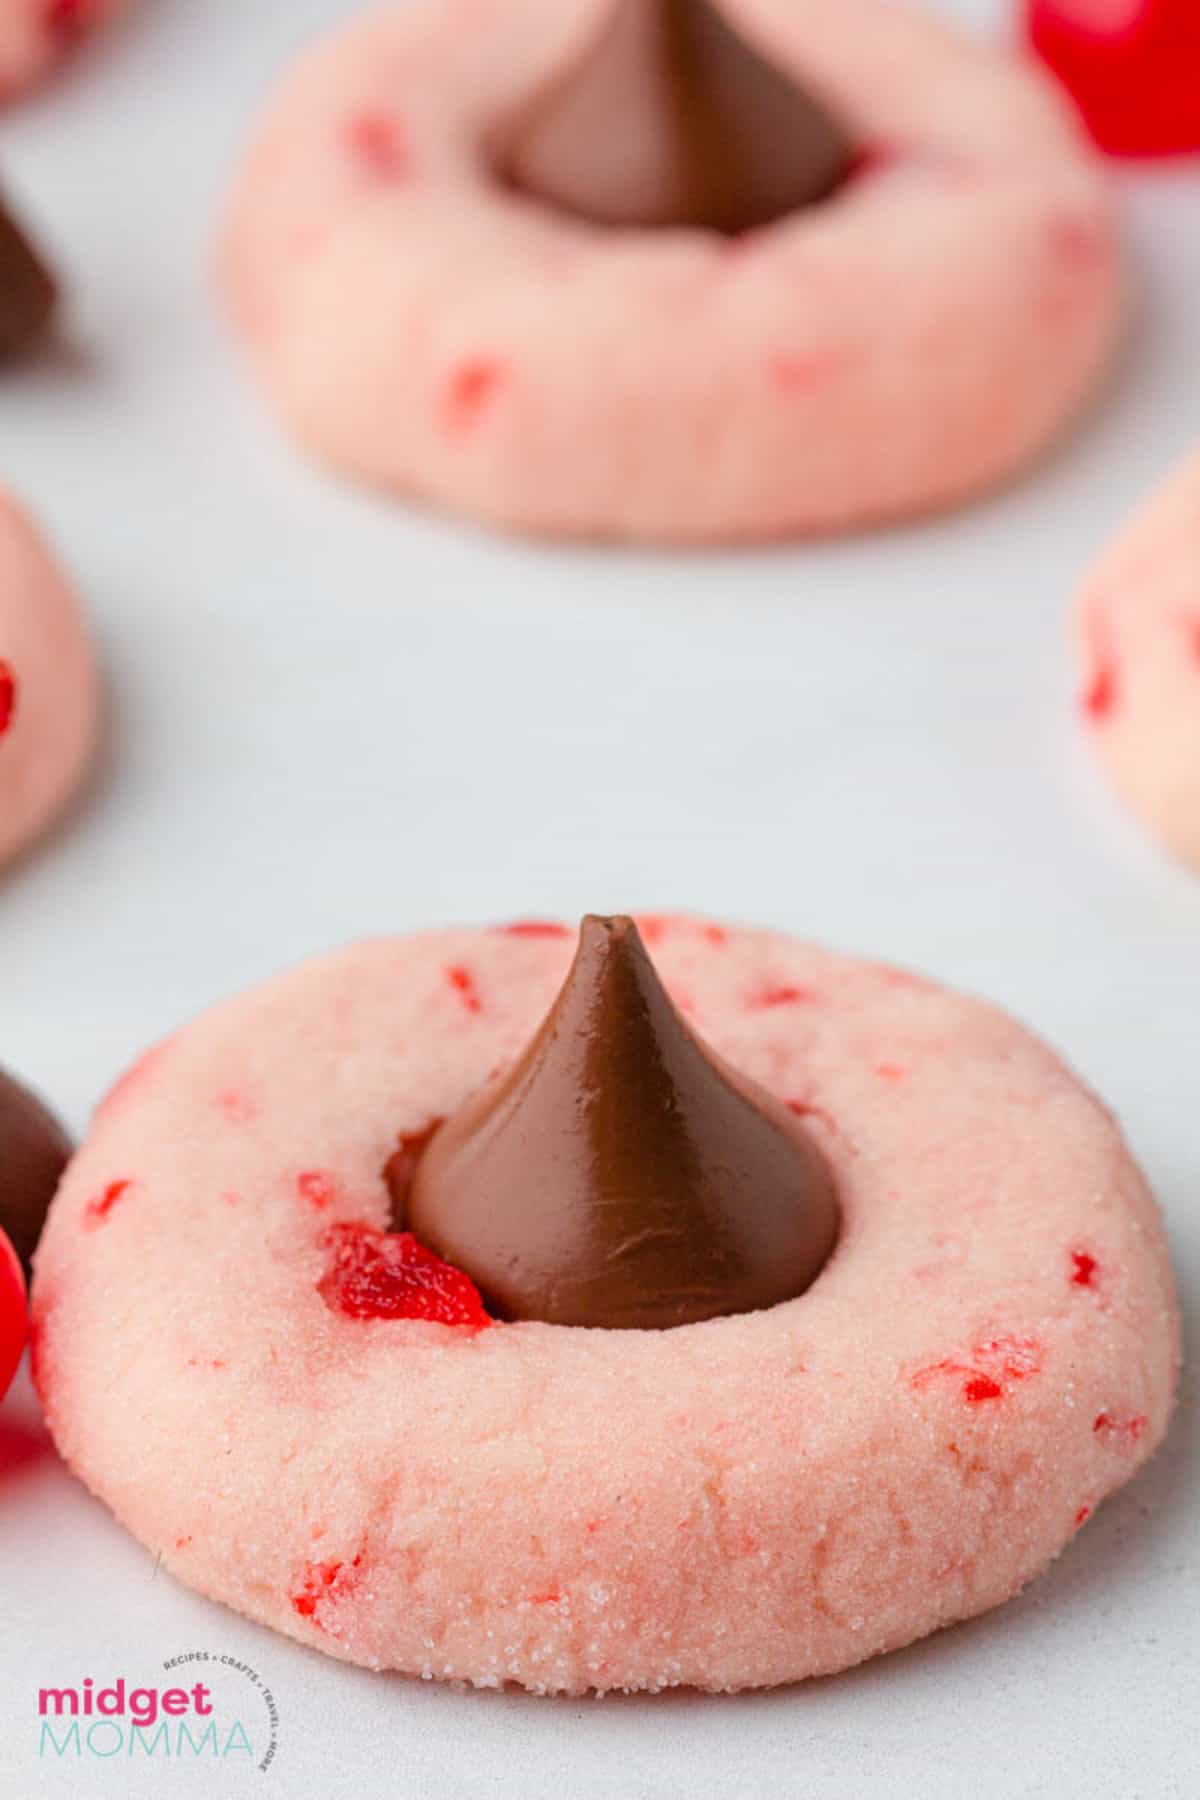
<point x="37" y="34"/>
<point x="913" y="339"/>
<point x="48" y="688"/>
<point x="1138" y="622"/>
<point x="990" y="1352"/>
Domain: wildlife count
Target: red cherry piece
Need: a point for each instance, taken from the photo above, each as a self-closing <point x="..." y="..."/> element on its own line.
<point x="14" y="1315"/>
<point x="98" y="1208"/>
<point x="463" y="983"/>
<point x="323" y="1581"/>
<point x="1132" y="66"/>
<point x="807" y="1109"/>
<point x="534" y="928"/>
<point x="378" y="143"/>
<point x="1001" y="1361"/>
<point x="1083" y="1269"/>
<point x="381" y="1275"/>
<point x="8" y="697"/>
<point x="981" y="1387"/>
<point x="801" y="371"/>
<point x="1105" y="1425"/>
<point x="318" y="1188"/>
<point x="653" y="927"/>
<point x="66" y="20"/>
<point x="469" y="390"/>
<point x="1100" y="695"/>
<point x="237" y="1107"/>
<point x="782" y="996"/>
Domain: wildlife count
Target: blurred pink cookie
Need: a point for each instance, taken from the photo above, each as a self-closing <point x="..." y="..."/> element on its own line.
<point x="1139" y="622"/>
<point x="916" y="335"/>
<point x="36" y="34"/>
<point x="222" y="1349"/>
<point x="48" y="689"/>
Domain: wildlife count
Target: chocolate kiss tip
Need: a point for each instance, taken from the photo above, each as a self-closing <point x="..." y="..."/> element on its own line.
<point x="621" y="1174"/>
<point x="28" y="293"/>
<point x="670" y="117"/>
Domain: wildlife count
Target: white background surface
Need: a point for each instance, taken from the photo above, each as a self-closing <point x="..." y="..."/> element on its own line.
<point x="331" y="716"/>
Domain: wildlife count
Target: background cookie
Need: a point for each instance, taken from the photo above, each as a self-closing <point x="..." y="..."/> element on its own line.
<point x="48" y="691"/>
<point x="915" y="337"/>
<point x="1139" y="625"/>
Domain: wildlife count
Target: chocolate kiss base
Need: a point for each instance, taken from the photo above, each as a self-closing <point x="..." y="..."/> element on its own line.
<point x="34" y="1151"/>
<point x="621" y="1174"/>
<point x="670" y="117"/>
<point x="27" y="289"/>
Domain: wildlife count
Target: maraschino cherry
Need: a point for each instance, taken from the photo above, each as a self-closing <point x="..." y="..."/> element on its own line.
<point x="14" y="1318"/>
<point x="1132" y="66"/>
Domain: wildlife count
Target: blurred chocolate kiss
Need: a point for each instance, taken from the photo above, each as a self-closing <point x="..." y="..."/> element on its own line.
<point x="670" y="116"/>
<point x="28" y="292"/>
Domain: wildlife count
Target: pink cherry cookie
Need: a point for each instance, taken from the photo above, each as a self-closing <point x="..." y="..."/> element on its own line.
<point x="48" y="689"/>
<point x="37" y="34"/>
<point x="224" y="1356"/>
<point x="1139" y="628"/>
<point x="913" y="339"/>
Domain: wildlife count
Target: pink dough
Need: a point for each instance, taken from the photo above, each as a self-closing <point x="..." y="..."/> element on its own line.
<point x="991" y="1351"/>
<point x="36" y="34"/>
<point x="915" y="339"/>
<point x="48" y="690"/>
<point x="1139" y="621"/>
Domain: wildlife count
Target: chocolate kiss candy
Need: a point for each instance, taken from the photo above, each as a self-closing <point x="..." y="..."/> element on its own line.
<point x="27" y="288"/>
<point x="671" y="118"/>
<point x="621" y="1174"/>
<point x="34" y="1151"/>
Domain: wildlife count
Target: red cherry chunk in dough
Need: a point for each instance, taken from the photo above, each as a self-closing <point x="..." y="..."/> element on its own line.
<point x="8" y="696"/>
<point x="389" y="1275"/>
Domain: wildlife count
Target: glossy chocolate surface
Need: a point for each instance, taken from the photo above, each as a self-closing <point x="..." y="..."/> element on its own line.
<point x="620" y="1174"/>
